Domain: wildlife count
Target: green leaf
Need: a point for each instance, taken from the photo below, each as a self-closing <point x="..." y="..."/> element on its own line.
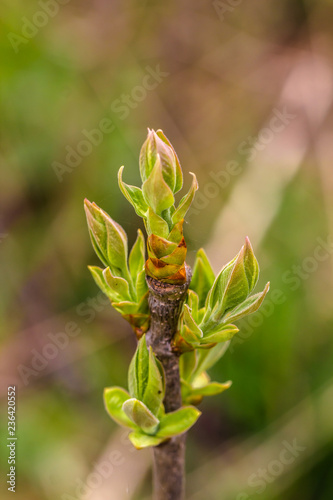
<point x="211" y="389"/>
<point x="155" y="190"/>
<point x="97" y="230"/>
<point x="97" y="274"/>
<point x="178" y="421"/>
<point x="249" y="306"/>
<point x="114" y="398"/>
<point x="157" y="146"/>
<point x="187" y="364"/>
<point x="133" y="194"/>
<point x="156" y="224"/>
<point x="125" y="307"/>
<point x="141" y="440"/>
<point x="148" y="155"/>
<point x="154" y="390"/>
<point x="203" y="277"/>
<point x="137" y="257"/>
<point x="250" y="264"/>
<point x="141" y="286"/>
<point x="190" y="323"/>
<point x="193" y="302"/>
<point x="178" y="171"/>
<point x="190" y="337"/>
<point x="206" y="358"/>
<point x="102" y="256"/>
<point x="146" y="377"/>
<point x="185" y="202"/>
<point x="215" y="295"/>
<point x="118" y="285"/>
<point x="222" y="335"/>
<point x="232" y="286"/>
<point x="138" y="372"/>
<point x="176" y="234"/>
<point x="140" y="415"/>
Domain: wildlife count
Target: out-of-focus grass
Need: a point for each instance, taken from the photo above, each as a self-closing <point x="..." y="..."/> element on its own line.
<point x="224" y="81"/>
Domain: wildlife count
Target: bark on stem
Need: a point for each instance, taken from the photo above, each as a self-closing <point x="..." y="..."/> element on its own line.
<point x="165" y="303"/>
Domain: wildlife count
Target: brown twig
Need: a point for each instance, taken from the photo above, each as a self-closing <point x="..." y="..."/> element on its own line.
<point x="165" y="303"/>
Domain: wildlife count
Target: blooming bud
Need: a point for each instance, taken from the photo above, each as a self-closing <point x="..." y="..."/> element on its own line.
<point x="157" y="146"/>
<point x="108" y="238"/>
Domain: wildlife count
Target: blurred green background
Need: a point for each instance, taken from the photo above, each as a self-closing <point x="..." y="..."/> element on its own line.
<point x="244" y="92"/>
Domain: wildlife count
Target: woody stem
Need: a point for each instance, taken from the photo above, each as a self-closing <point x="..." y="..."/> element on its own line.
<point x="165" y="303"/>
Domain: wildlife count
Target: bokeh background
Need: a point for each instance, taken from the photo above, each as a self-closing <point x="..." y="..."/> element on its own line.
<point x="244" y="92"/>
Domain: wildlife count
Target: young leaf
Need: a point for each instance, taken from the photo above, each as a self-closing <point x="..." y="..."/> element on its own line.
<point x="233" y="285"/>
<point x="222" y="335"/>
<point x="154" y="390"/>
<point x="178" y="421"/>
<point x="185" y="202"/>
<point x="97" y="230"/>
<point x="137" y="257"/>
<point x="250" y="264"/>
<point x="176" y="234"/>
<point x="190" y="323"/>
<point x="178" y="171"/>
<point x="141" y="440"/>
<point x="156" y="224"/>
<point x="187" y="364"/>
<point x="141" y="285"/>
<point x="156" y="192"/>
<point x="97" y="274"/>
<point x="157" y="147"/>
<point x="146" y="377"/>
<point x="114" y="398"/>
<point x="206" y="358"/>
<point x="119" y="286"/>
<point x="138" y="372"/>
<point x="109" y="237"/>
<point x="193" y="302"/>
<point x="125" y="307"/>
<point x="159" y="247"/>
<point x="140" y="415"/>
<point x="133" y="194"/>
<point x="211" y="389"/>
<point x="215" y="295"/>
<point x="249" y="306"/>
<point x="203" y="276"/>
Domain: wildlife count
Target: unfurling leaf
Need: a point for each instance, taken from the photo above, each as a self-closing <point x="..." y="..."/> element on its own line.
<point x="221" y="334"/>
<point x="119" y="286"/>
<point x="203" y="276"/>
<point x="97" y="274"/>
<point x="133" y="194"/>
<point x="146" y="378"/>
<point x="158" y="148"/>
<point x="156" y="191"/>
<point x="108" y="238"/>
<point x="137" y="257"/>
<point x="141" y="440"/>
<point x="178" y="421"/>
<point x="156" y="224"/>
<point x="114" y="398"/>
<point x="247" y="307"/>
<point x="233" y="285"/>
<point x="140" y="415"/>
<point x="206" y="358"/>
<point x="190" y="323"/>
<point x="185" y="202"/>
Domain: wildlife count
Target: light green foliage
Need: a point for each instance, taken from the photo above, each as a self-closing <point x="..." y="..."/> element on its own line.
<point x="212" y="305"/>
<point x="141" y="409"/>
<point x="161" y="177"/>
<point x="123" y="280"/>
